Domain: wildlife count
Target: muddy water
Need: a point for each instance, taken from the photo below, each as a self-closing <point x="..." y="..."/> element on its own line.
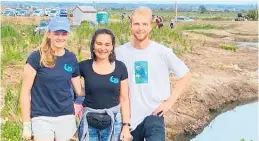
<point x="247" y="44"/>
<point x="234" y="125"/>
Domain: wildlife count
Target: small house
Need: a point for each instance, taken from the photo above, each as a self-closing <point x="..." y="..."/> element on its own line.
<point x="83" y="13"/>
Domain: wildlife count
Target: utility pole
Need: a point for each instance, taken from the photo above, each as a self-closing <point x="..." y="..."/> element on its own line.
<point x="175" y="8"/>
<point x="94" y="5"/>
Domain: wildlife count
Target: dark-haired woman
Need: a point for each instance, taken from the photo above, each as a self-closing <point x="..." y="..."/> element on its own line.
<point x="106" y="113"/>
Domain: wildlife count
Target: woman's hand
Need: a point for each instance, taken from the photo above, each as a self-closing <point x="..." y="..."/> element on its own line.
<point x="125" y="134"/>
<point x="26" y="133"/>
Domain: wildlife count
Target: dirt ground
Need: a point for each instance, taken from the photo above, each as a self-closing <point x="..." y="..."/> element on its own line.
<point x="220" y="79"/>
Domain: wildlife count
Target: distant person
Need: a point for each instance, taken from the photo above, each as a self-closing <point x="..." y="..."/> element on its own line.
<point x="106" y="113"/>
<point x="149" y="65"/>
<point x="172" y="23"/>
<point x="161" y="19"/>
<point x="122" y="17"/>
<point x="129" y="18"/>
<point x="157" y="21"/>
<point x="161" y="23"/>
<point x="153" y="17"/>
<point x="46" y="100"/>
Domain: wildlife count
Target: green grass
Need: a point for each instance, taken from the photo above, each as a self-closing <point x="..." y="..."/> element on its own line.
<point x="212" y="35"/>
<point x="171" y="38"/>
<point x="244" y="140"/>
<point x="204" y="33"/>
<point x="13" y="50"/>
<point x="12" y="125"/>
<point x="229" y="47"/>
<point x="16" y="40"/>
<point x="8" y="31"/>
<point x="15" y="45"/>
<point x="166" y="36"/>
<point x="11" y="131"/>
<point x="167" y="15"/>
<point x="203" y="27"/>
<point x="11" y="107"/>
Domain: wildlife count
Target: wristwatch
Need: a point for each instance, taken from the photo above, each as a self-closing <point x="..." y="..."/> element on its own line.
<point x="125" y="124"/>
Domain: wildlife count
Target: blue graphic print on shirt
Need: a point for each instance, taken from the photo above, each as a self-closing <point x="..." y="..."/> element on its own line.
<point x="141" y="72"/>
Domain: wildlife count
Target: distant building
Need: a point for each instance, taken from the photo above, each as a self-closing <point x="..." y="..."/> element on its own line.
<point x="83" y="13"/>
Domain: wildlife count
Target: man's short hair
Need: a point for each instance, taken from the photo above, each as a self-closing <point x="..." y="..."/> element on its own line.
<point x="143" y="11"/>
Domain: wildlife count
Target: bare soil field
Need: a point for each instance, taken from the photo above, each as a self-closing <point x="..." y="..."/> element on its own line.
<point x="221" y="79"/>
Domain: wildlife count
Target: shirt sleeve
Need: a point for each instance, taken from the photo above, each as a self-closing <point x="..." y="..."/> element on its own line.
<point x="175" y="64"/>
<point x="34" y="60"/>
<point x="118" y="54"/>
<point x="76" y="71"/>
<point x="81" y="68"/>
<point x="124" y="72"/>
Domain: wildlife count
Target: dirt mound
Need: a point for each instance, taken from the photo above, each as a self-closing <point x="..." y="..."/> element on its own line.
<point x="221" y="80"/>
<point x="205" y="98"/>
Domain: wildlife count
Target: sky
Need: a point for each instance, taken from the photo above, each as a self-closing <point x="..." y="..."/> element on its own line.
<point x="156" y="1"/>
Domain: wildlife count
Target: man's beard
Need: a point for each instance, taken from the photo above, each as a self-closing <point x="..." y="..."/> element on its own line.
<point x="142" y="38"/>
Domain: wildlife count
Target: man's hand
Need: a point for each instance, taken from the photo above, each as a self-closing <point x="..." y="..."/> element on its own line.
<point x="125" y="134"/>
<point x="163" y="108"/>
<point x="26" y="133"/>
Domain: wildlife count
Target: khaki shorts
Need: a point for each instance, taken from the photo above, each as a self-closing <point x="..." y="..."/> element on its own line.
<point x="62" y="128"/>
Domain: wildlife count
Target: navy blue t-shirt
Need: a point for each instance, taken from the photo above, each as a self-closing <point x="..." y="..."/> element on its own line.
<point x="102" y="91"/>
<point x="50" y="93"/>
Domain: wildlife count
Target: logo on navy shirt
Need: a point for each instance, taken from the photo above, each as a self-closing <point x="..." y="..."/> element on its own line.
<point x="68" y="68"/>
<point x="114" y="80"/>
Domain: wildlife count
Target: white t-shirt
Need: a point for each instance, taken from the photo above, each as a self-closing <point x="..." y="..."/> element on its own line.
<point x="149" y="71"/>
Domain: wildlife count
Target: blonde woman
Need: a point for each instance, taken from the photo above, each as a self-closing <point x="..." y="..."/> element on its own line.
<point x="46" y="100"/>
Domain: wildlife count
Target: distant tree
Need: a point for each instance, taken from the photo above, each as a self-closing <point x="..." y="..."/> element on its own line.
<point x="253" y="14"/>
<point x="239" y="15"/>
<point x="202" y="9"/>
<point x="161" y="9"/>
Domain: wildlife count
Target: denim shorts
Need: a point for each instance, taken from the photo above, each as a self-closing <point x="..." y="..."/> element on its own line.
<point x="102" y="135"/>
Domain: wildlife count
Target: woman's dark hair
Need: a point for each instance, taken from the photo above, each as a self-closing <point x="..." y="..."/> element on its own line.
<point x="112" y="56"/>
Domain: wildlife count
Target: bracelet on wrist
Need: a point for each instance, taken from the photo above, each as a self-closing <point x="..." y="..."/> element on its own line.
<point x="125" y="124"/>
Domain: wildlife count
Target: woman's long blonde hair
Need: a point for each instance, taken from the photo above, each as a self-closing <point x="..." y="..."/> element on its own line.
<point x="47" y="54"/>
